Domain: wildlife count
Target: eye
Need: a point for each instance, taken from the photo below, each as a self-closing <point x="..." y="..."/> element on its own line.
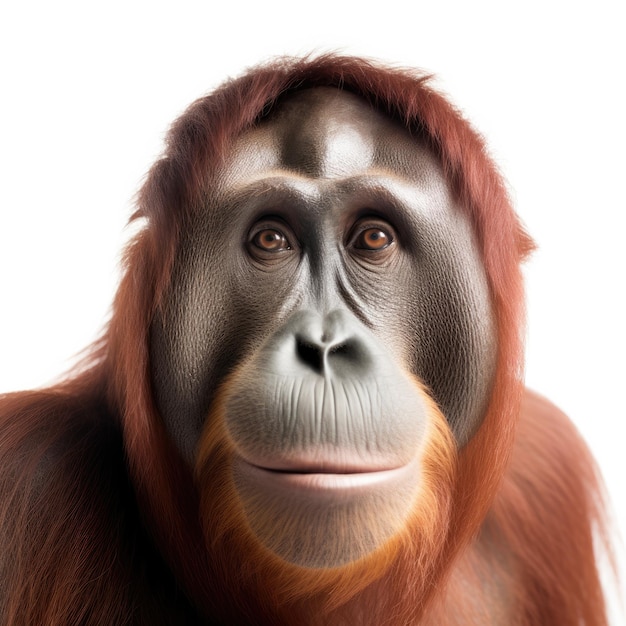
<point x="271" y="240"/>
<point x="371" y="235"/>
<point x="373" y="239"/>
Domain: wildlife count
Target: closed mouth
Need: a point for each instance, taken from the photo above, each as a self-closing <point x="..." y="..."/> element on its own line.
<point x="322" y="478"/>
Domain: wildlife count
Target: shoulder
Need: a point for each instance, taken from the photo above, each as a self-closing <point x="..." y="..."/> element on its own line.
<point x="61" y="485"/>
<point x="549" y="451"/>
<point x="547" y="518"/>
<point x="54" y="434"/>
<point x="71" y="533"/>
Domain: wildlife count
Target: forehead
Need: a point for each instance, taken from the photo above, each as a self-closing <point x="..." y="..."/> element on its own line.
<point x="328" y="134"/>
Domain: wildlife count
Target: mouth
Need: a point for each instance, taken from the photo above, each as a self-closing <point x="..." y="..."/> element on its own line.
<point x="321" y="478"/>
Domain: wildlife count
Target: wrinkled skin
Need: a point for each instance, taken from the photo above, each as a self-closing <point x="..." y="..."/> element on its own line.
<point x="333" y="272"/>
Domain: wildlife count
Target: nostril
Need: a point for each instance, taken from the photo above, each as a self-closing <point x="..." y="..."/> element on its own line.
<point x="341" y="349"/>
<point x="310" y="354"/>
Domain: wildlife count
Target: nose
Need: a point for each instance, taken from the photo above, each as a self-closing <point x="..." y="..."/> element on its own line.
<point x="334" y="343"/>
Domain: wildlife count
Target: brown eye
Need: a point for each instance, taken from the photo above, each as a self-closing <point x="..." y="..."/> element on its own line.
<point x="373" y="239"/>
<point x="271" y="240"/>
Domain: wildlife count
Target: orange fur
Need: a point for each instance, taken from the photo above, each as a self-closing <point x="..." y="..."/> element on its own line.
<point x="86" y="468"/>
<point x="533" y="562"/>
<point x="178" y="184"/>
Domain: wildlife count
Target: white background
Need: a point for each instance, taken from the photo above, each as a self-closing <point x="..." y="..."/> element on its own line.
<point x="87" y="91"/>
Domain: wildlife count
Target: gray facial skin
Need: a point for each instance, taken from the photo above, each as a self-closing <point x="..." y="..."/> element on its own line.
<point x="327" y="210"/>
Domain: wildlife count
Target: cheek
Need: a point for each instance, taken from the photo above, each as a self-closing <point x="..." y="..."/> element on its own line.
<point x="214" y="314"/>
<point x="453" y="333"/>
<point x="194" y="339"/>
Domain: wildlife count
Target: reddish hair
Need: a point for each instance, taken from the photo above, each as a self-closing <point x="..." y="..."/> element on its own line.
<point x="117" y="377"/>
<point x="176" y="186"/>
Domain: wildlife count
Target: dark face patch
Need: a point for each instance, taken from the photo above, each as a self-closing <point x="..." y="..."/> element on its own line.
<point x="302" y="204"/>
